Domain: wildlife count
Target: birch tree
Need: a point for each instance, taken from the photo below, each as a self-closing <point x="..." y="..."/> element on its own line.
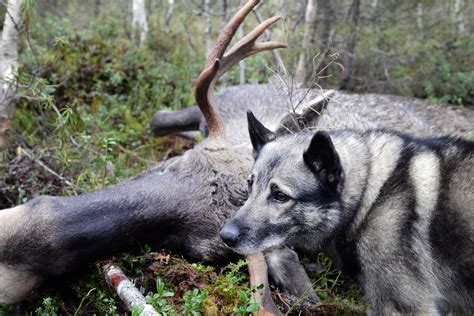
<point x="139" y="21"/>
<point x="304" y="61"/>
<point x="240" y="33"/>
<point x="348" y="57"/>
<point x="169" y="14"/>
<point x="97" y="8"/>
<point x="208" y="27"/>
<point x="458" y="16"/>
<point x="9" y="66"/>
<point x="224" y="11"/>
<point x="419" y="16"/>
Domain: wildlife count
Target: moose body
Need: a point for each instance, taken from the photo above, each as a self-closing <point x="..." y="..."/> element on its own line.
<point x="396" y="212"/>
<point x="179" y="205"/>
<point x="183" y="202"/>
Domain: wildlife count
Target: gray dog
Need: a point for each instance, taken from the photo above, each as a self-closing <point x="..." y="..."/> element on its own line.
<point x="395" y="212"/>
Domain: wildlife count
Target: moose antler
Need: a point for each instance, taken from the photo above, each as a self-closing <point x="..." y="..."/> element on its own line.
<point x="218" y="63"/>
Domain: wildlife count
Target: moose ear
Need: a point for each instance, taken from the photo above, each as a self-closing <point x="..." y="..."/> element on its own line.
<point x="259" y="134"/>
<point x="322" y="159"/>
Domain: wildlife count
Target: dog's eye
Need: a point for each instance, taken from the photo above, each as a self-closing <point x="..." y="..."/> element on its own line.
<point x="280" y="196"/>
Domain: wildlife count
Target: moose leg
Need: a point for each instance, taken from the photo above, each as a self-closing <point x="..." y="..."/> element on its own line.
<point x="288" y="273"/>
<point x="168" y="122"/>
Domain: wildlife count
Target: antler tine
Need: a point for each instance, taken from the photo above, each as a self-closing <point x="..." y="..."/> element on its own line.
<point x="217" y="63"/>
<point x="226" y="35"/>
<point x="205" y="81"/>
<point x="247" y="46"/>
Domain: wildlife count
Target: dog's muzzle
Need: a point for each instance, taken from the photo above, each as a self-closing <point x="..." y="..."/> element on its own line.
<point x="230" y="234"/>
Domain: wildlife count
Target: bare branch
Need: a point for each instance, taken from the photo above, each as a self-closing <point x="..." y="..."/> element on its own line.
<point x="127" y="292"/>
<point x="25" y="152"/>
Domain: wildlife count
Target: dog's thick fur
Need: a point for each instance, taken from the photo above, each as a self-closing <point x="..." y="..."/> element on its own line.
<point x="394" y="211"/>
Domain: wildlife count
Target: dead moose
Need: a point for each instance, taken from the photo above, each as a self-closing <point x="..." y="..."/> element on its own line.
<point x="180" y="204"/>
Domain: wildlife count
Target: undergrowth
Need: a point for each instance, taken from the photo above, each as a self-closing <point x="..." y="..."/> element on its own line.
<point x="173" y="286"/>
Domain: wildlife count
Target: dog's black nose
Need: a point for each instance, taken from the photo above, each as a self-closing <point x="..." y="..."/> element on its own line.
<point x="230" y="234"/>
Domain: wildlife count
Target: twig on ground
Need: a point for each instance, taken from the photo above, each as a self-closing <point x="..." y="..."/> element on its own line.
<point x="135" y="155"/>
<point x="125" y="289"/>
<point x="27" y="153"/>
<point x="282" y="300"/>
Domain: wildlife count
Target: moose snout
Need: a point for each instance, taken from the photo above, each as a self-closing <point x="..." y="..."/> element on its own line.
<point x="230" y="234"/>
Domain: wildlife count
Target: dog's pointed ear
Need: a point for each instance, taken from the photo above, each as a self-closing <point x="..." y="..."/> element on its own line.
<point x="323" y="160"/>
<point x="259" y="134"/>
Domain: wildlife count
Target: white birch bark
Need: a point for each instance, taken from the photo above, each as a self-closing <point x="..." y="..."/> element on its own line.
<point x="458" y="16"/>
<point x="208" y="27"/>
<point x="169" y="14"/>
<point x="127" y="292"/>
<point x="419" y="16"/>
<point x="139" y="21"/>
<point x="224" y="13"/>
<point x="240" y="33"/>
<point x="308" y="42"/>
<point x="9" y="66"/>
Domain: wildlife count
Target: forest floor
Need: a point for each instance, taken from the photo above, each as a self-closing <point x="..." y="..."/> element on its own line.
<point x="171" y="283"/>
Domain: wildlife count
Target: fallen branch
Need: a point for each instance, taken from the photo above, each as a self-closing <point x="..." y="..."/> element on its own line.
<point x="23" y="151"/>
<point x="125" y="289"/>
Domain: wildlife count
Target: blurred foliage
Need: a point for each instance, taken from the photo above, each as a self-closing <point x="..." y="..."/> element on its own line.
<point x="412" y="48"/>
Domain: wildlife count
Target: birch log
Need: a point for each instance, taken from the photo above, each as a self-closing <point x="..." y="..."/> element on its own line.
<point x="304" y="61"/>
<point x="9" y="66"/>
<point x="139" y="21"/>
<point x="127" y="292"/>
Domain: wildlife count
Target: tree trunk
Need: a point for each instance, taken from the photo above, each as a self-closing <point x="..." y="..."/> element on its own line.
<point x="240" y="33"/>
<point x="208" y="27"/>
<point x="458" y="17"/>
<point x="169" y="14"/>
<point x="224" y="19"/>
<point x="97" y="8"/>
<point x="308" y="43"/>
<point x="329" y="14"/>
<point x="139" y="22"/>
<point x="419" y="16"/>
<point x="8" y="67"/>
<point x="348" y="58"/>
<point x="224" y="12"/>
